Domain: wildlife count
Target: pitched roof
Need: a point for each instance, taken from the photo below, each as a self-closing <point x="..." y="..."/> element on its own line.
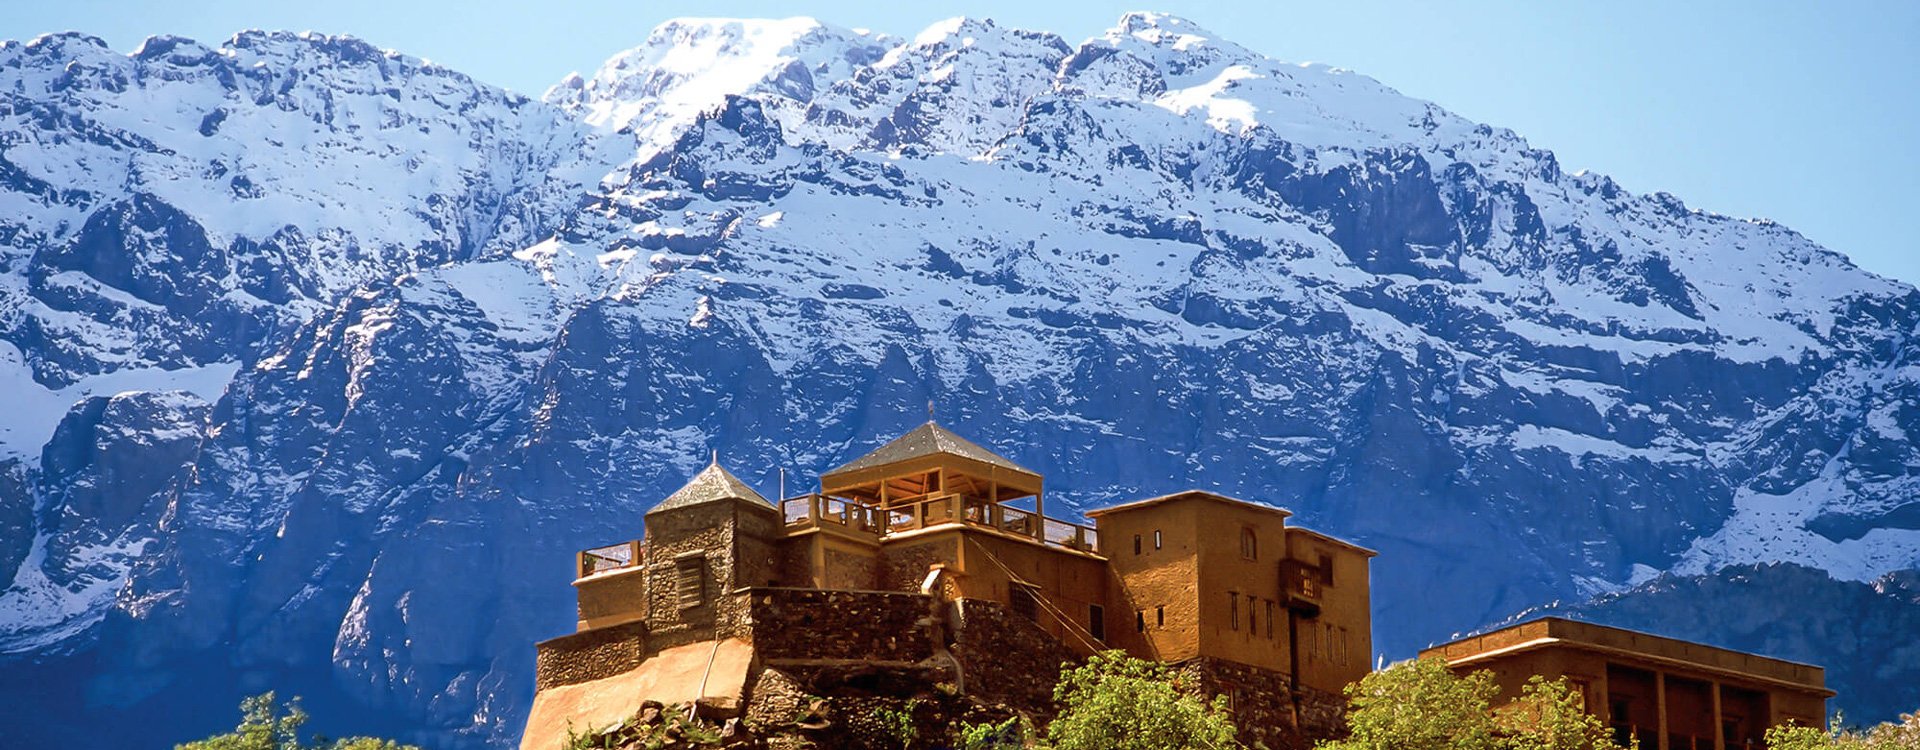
<point x="926" y="440"/>
<point x="712" y="484"/>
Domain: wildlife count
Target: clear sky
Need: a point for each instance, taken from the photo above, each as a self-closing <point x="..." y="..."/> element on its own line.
<point x="1806" y="112"/>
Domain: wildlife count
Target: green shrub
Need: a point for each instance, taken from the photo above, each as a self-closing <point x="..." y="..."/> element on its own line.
<point x="1117" y="702"/>
<point x="266" y="725"/>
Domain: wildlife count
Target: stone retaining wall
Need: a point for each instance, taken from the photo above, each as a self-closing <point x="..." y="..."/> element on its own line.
<point x="1263" y="704"/>
<point x="817" y="624"/>
<point x="1323" y="715"/>
<point x="590" y="655"/>
<point x="1007" y="657"/>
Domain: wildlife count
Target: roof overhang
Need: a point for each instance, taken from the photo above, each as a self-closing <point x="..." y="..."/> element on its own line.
<point x="1189" y="495"/>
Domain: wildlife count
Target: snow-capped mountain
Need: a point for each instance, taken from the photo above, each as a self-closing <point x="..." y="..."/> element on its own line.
<point x="331" y="357"/>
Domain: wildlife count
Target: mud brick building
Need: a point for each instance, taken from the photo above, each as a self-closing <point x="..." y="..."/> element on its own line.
<point x="929" y="565"/>
<point x="931" y="560"/>
<point x="1667" y="694"/>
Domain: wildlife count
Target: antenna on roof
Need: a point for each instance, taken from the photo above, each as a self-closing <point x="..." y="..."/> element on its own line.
<point x="783" y="483"/>
<point x="929" y="410"/>
<point x="716" y="457"/>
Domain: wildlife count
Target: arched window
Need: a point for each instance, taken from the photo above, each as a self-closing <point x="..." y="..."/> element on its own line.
<point x="1249" y="543"/>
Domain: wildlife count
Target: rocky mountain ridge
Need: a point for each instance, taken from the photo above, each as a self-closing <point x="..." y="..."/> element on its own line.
<point x="363" y="349"/>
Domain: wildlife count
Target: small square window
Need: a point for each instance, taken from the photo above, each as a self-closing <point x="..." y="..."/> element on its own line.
<point x="1136" y="544"/>
<point x="1160" y="617"/>
<point x="1139" y="621"/>
<point x="1233" y="610"/>
<point x="1156" y="539"/>
<point x="690" y="580"/>
<point x="1097" y="622"/>
<point x="1023" y="601"/>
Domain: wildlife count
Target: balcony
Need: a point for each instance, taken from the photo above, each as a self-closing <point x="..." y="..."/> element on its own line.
<point x="610" y="558"/>
<point x="1303" y="586"/>
<point x="932" y="511"/>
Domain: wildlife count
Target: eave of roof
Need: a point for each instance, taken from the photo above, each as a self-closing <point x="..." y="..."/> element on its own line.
<point x="1189" y="494"/>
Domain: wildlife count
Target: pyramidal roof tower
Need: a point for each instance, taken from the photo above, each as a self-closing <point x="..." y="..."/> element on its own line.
<point x="713" y="484"/>
<point x="930" y="460"/>
<point x="927" y="440"/>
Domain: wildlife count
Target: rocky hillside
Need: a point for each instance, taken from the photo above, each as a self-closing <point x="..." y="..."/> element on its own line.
<point x="330" y="357"/>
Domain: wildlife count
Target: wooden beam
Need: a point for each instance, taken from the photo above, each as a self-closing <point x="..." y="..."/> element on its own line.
<point x="1660" y="703"/>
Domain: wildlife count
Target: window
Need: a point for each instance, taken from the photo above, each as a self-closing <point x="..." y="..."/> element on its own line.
<point x="1233" y="610"/>
<point x="1139" y="621"/>
<point x="1159" y="617"/>
<point x="1022" y="600"/>
<point x="1253" y="617"/>
<point x="1326" y="569"/>
<point x="1249" y="543"/>
<point x="1269" y="603"/>
<point x="1136" y="544"/>
<point x="1097" y="622"/>
<point x="1156" y="539"/>
<point x="690" y="580"/>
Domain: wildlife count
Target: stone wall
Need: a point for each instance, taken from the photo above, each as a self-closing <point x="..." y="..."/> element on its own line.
<point x="1007" y="657"/>
<point x="853" y="571"/>
<point x="727" y="535"/>
<point x="907" y="564"/>
<point x="590" y="655"/>
<point x="1323" y="715"/>
<point x="1263" y="704"/>
<point x="815" y="624"/>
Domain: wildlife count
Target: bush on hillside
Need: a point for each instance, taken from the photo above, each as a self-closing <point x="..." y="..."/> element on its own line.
<point x="266" y="725"/>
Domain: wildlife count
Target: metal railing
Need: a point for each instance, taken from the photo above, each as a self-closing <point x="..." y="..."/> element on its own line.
<point x="610" y="557"/>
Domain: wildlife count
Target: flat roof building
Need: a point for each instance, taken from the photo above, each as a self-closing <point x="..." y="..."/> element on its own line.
<point x="1666" y="693"/>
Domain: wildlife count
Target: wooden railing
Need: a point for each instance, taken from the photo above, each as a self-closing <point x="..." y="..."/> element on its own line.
<point x="611" y="557"/>
<point x="810" y="511"/>
<point x="820" y="510"/>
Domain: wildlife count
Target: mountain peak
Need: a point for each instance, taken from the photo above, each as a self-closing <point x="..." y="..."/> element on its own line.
<point x="1164" y="29"/>
<point x="688" y="65"/>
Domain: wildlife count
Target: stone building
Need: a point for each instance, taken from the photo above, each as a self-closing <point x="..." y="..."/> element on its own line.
<point x="1667" y="694"/>
<point x="930" y="560"/>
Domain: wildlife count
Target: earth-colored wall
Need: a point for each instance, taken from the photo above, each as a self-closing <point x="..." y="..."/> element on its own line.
<point x="612" y="598"/>
<point x="1155" y="581"/>
<point x="1336" y="646"/>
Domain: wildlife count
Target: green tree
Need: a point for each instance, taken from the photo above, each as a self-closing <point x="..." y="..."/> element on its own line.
<point x="1423" y="705"/>
<point x="1117" y="702"/>
<point x="1419" y="705"/>
<point x="1550" y="715"/>
<point x="1903" y="734"/>
<point x="266" y="725"/>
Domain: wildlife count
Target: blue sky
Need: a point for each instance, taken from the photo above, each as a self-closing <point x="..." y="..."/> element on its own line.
<point x="1805" y="113"/>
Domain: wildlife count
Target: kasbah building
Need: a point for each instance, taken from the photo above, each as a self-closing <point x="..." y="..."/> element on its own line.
<point x="930" y="562"/>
